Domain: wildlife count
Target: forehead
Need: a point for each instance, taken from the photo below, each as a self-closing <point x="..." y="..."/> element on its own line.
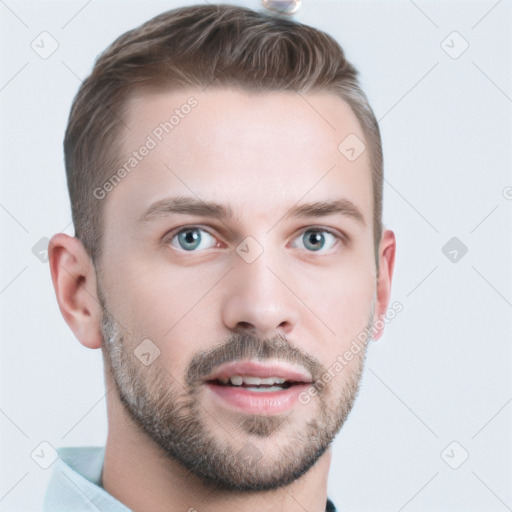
<point x="246" y="150"/>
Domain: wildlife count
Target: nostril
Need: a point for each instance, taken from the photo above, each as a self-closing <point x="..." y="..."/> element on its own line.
<point x="245" y="326"/>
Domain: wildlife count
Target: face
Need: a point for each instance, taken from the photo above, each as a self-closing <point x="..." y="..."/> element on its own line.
<point x="238" y="270"/>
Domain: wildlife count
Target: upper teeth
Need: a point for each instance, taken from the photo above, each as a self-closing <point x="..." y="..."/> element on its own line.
<point x="237" y="380"/>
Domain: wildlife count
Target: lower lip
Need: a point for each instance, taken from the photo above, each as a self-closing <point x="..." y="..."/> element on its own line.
<point x="258" y="402"/>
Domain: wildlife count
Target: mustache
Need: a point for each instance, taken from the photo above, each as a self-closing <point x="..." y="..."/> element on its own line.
<point x="246" y="345"/>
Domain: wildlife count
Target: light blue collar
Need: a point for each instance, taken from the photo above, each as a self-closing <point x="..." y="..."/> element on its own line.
<point x="75" y="484"/>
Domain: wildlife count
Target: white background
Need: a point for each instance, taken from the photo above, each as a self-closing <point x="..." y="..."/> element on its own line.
<point x="441" y="373"/>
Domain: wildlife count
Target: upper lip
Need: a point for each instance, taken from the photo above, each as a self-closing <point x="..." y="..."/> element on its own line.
<point x="286" y="371"/>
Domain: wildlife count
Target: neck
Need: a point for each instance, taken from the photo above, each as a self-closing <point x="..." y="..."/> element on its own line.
<point x="138" y="474"/>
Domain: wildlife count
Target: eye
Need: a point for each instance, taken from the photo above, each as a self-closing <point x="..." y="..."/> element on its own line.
<point x="192" y="238"/>
<point x="317" y="239"/>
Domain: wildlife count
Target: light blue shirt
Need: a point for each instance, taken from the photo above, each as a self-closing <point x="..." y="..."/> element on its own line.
<point x="75" y="484"/>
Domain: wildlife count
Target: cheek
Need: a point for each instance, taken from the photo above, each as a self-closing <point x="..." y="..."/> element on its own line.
<point x="349" y="315"/>
<point x="343" y="302"/>
<point x="163" y="303"/>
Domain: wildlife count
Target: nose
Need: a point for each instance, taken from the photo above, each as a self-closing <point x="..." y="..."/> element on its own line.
<point x="257" y="297"/>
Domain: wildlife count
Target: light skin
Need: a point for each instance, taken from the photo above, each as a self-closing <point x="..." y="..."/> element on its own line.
<point x="261" y="156"/>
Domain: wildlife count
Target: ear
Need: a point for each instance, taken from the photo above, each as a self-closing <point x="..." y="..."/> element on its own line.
<point x="74" y="280"/>
<point x="386" y="265"/>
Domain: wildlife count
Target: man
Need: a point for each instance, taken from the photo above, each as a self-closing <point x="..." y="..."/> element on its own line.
<point x="225" y="176"/>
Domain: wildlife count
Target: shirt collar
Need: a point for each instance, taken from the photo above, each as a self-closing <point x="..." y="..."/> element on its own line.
<point x="75" y="483"/>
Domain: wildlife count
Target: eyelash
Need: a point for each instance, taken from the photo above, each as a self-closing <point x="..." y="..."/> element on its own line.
<point x="168" y="237"/>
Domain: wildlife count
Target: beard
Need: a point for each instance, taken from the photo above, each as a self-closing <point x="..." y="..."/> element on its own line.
<point x="257" y="452"/>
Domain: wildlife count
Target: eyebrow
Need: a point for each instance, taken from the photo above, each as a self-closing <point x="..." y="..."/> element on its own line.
<point x="193" y="206"/>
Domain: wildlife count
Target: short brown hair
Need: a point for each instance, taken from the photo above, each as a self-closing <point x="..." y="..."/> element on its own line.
<point x="195" y="47"/>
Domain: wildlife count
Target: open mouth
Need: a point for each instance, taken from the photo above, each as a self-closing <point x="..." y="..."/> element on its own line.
<point x="258" y="387"/>
<point x="250" y="383"/>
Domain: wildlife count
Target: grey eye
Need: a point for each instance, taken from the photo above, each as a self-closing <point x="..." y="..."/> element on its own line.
<point x="317" y="239"/>
<point x="190" y="239"/>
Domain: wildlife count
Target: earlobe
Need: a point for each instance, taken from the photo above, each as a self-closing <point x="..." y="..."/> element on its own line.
<point x="74" y="281"/>
<point x="386" y="266"/>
